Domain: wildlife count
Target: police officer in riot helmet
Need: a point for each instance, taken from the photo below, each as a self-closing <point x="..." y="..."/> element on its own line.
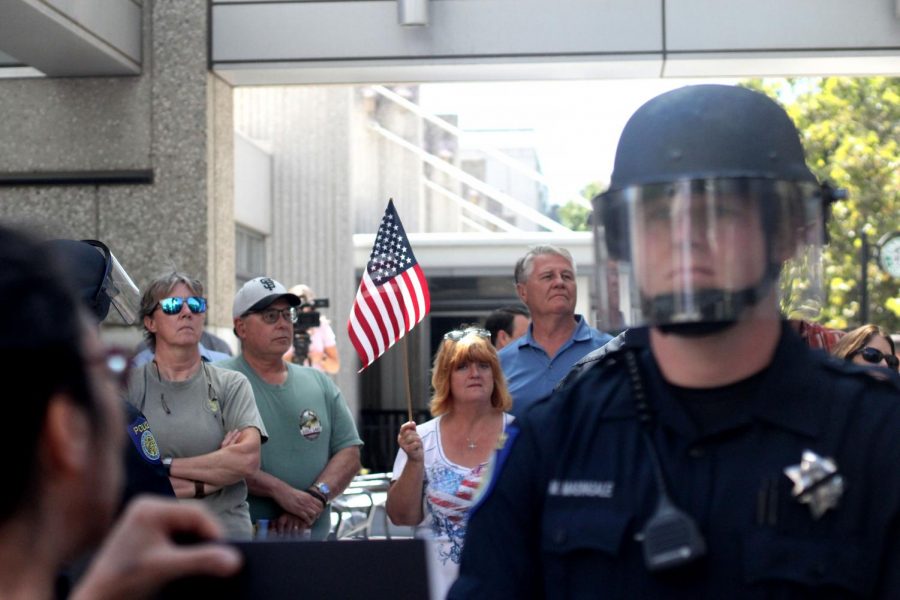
<point x="711" y="453"/>
<point x="101" y="283"/>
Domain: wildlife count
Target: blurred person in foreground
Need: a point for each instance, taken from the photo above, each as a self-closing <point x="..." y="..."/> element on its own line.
<point x="867" y="345"/>
<point x="714" y="454"/>
<point x="322" y="353"/>
<point x="205" y="420"/>
<point x="313" y="448"/>
<point x="557" y="338"/>
<point x="64" y="473"/>
<point x="440" y="463"/>
<point x="507" y="324"/>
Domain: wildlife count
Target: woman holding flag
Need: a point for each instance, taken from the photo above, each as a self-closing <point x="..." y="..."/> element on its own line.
<point x="443" y="460"/>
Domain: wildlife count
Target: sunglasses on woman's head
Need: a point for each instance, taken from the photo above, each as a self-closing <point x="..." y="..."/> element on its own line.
<point x="875" y="356"/>
<point x="458" y="334"/>
<point x="173" y="305"/>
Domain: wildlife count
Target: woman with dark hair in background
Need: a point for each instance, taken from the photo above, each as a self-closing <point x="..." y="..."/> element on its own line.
<point x="867" y="345"/>
<point x="443" y="460"/>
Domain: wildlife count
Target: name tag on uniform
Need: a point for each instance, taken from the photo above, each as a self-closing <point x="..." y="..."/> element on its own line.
<point x="581" y="488"/>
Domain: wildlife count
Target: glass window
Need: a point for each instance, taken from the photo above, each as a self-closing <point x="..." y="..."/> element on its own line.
<point x="250" y="255"/>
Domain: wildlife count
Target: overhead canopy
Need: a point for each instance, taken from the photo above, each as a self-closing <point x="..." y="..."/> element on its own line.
<point x="63" y="38"/>
<point x="363" y="41"/>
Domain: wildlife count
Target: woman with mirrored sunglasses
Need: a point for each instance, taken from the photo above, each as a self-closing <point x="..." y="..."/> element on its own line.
<point x="207" y="427"/>
<point x="441" y="463"/>
<point x="869" y="345"/>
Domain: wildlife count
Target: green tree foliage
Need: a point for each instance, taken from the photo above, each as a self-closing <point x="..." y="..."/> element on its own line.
<point x="851" y="132"/>
<point x="574" y="215"/>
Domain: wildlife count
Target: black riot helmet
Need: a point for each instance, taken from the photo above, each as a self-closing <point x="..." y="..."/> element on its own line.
<point x="709" y="196"/>
<point x="98" y="278"/>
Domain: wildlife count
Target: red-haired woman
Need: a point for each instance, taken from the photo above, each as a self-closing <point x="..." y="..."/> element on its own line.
<point x="442" y="461"/>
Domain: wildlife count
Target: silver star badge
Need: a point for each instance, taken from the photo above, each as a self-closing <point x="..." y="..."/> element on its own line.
<point x="816" y="482"/>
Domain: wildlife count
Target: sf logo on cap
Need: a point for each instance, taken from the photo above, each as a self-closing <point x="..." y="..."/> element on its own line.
<point x="267" y="283"/>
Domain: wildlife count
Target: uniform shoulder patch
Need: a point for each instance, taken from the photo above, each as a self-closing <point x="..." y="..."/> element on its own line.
<point x="880" y="375"/>
<point x="144" y="440"/>
<point x="601" y="357"/>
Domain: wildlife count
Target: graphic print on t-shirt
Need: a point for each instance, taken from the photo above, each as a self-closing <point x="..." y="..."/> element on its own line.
<point x="310" y="426"/>
<point x="449" y="495"/>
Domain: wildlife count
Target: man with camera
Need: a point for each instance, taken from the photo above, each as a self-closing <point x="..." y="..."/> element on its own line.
<point x="313" y="447"/>
<point x="315" y="344"/>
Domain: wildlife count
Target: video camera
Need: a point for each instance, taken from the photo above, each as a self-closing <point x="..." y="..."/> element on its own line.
<point x="307" y="318"/>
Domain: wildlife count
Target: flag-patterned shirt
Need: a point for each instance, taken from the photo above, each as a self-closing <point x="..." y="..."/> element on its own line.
<point x="450" y="491"/>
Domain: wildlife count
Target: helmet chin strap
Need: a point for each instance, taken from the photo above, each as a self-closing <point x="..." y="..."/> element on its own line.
<point x="696" y="330"/>
<point x="714" y="311"/>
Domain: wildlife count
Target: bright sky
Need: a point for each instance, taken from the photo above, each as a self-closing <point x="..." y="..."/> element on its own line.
<point x="576" y="123"/>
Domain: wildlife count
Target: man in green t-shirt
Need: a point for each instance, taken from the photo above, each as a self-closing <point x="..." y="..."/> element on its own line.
<point x="313" y="448"/>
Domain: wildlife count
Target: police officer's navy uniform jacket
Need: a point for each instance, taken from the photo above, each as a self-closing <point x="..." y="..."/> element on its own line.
<point x="574" y="486"/>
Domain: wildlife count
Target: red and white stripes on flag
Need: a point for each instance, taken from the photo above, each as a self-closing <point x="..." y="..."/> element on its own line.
<point x="393" y="294"/>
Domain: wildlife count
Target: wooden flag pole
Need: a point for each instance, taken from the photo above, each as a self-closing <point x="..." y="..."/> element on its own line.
<point x="406" y="378"/>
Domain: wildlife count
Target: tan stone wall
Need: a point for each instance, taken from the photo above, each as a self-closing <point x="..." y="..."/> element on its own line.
<point x="174" y="120"/>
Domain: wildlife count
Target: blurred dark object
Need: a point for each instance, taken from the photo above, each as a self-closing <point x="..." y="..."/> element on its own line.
<point x="274" y="570"/>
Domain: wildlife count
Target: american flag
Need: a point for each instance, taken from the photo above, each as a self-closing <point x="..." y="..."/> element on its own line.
<point x="393" y="294"/>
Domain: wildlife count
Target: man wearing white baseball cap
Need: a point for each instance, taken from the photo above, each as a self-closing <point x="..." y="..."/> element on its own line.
<point x="258" y="294"/>
<point x="313" y="448"/>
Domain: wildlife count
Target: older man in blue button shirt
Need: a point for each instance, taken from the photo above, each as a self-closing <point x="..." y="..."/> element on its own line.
<point x="557" y="337"/>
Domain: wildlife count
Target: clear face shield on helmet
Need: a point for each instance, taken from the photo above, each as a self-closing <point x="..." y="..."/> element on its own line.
<point x="707" y="251"/>
<point x="124" y="294"/>
<point x="118" y="286"/>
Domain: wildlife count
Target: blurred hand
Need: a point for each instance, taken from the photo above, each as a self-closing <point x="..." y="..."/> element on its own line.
<point x="140" y="556"/>
<point x="290" y="526"/>
<point x="300" y="504"/>
<point x="410" y="442"/>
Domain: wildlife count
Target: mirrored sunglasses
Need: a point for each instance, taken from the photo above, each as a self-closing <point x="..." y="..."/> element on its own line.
<point x="270" y="315"/>
<point x="458" y="334"/>
<point x="173" y="304"/>
<point x="875" y="356"/>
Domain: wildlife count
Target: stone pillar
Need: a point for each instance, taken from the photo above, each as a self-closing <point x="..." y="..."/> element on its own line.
<point x="168" y="132"/>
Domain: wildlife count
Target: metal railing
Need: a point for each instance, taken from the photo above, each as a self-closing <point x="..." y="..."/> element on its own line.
<point x="360" y="512"/>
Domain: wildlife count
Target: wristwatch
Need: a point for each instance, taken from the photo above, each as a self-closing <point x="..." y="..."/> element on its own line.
<point x="167" y="464"/>
<point x="323" y="489"/>
<point x="320" y="491"/>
